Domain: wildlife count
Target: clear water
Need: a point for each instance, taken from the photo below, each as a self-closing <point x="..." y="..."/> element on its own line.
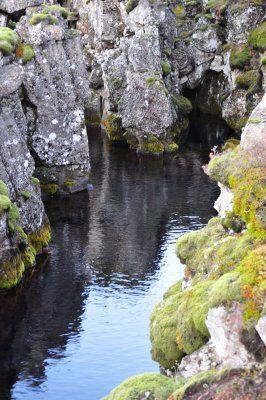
<point x="80" y="324"/>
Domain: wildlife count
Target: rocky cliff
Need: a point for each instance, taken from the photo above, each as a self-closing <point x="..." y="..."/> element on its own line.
<point x="148" y="59"/>
<point x="43" y="96"/>
<point x="139" y="68"/>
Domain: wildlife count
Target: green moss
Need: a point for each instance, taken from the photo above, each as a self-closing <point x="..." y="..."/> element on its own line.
<point x="173" y="147"/>
<point x="219" y="167"/>
<point x="263" y="60"/>
<point x="130" y="5"/>
<point x="158" y="386"/>
<point x="179" y="11"/>
<point x="58" y="10"/>
<point x="41" y="238"/>
<point x="4" y="189"/>
<point x="25" y="194"/>
<point x="25" y="52"/>
<point x="248" y="80"/>
<point x="113" y="126"/>
<point x="238" y="123"/>
<point x="167" y="52"/>
<point x="233" y="222"/>
<point x="151" y="80"/>
<point x="49" y="188"/>
<point x="257" y="38"/>
<point x="8" y="41"/>
<point x="69" y="183"/>
<point x="43" y="16"/>
<point x="230" y="144"/>
<point x="153" y="147"/>
<point x="183" y="105"/>
<point x="240" y="56"/>
<point x="217" y="4"/>
<point x="163" y="324"/>
<point x="11" y="272"/>
<point x="206" y="377"/>
<point x="5" y="204"/>
<point x="35" y="181"/>
<point x="166" y="67"/>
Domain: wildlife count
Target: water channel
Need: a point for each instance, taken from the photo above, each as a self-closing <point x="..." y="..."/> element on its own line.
<point x="80" y="324"/>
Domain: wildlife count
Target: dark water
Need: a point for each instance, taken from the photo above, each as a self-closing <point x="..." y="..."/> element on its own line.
<point x="79" y="326"/>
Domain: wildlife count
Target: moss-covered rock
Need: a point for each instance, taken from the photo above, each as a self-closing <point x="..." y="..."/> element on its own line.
<point x="25" y="52"/>
<point x="113" y="126"/>
<point x="8" y="41"/>
<point x="155" y="386"/>
<point x="5" y="203"/>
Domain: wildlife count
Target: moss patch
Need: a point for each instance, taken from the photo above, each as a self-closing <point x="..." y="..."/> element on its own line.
<point x="4" y="189"/>
<point x="158" y="386"/>
<point x="113" y="126"/>
<point x="8" y="41"/>
<point x="25" y="52"/>
<point x="5" y="203"/>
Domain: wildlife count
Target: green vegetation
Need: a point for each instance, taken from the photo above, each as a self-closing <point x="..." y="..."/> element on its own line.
<point x="113" y="126"/>
<point x="230" y="144"/>
<point x="166" y="67"/>
<point x="69" y="183"/>
<point x="201" y="378"/>
<point x="25" y="52"/>
<point x="25" y="194"/>
<point x="5" y="203"/>
<point x="240" y="56"/>
<point x="8" y="41"/>
<point x="49" y="188"/>
<point x="40" y="238"/>
<point x="248" y="80"/>
<point x="130" y="5"/>
<point x="35" y="181"/>
<point x="173" y="147"/>
<point x="4" y="189"/>
<point x="220" y="5"/>
<point x="179" y="11"/>
<point x="184" y="106"/>
<point x="153" y="147"/>
<point x="43" y="16"/>
<point x="160" y="387"/>
<point x="257" y="38"/>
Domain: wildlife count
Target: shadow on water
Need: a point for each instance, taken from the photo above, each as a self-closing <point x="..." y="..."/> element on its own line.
<point x="85" y="313"/>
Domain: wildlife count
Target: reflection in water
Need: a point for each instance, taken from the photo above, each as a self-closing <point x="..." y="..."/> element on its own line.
<point x="80" y="325"/>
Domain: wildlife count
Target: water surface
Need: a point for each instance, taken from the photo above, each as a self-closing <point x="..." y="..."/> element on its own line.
<point x="79" y="326"/>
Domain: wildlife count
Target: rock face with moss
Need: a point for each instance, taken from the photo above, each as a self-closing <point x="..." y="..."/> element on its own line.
<point x="43" y="95"/>
<point x="213" y="320"/>
<point x="144" y="55"/>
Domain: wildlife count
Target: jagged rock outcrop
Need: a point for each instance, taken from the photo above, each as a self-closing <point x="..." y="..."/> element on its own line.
<point x="44" y="92"/>
<point x="143" y="56"/>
